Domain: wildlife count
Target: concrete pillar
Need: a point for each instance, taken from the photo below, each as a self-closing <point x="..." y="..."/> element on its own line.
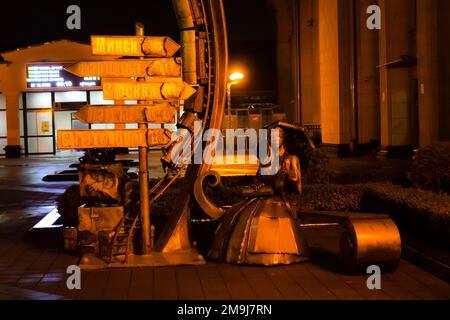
<point x="12" y="124"/>
<point x="427" y="70"/>
<point x="296" y="62"/>
<point x="310" y="67"/>
<point x="398" y="106"/>
<point x="444" y="68"/>
<point x="334" y="55"/>
<point x="285" y="62"/>
<point x="368" y="81"/>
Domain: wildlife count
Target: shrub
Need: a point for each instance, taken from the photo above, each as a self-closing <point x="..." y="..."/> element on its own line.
<point x="229" y="192"/>
<point x="422" y="212"/>
<point x="319" y="170"/>
<point x="163" y="207"/>
<point x="332" y="197"/>
<point x="431" y="168"/>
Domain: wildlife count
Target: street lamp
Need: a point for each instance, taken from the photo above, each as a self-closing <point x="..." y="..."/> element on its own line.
<point x="234" y="79"/>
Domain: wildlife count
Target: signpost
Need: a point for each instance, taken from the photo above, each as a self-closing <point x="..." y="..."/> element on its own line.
<point x="146" y="236"/>
<point x="114" y="138"/>
<point x="154" y="80"/>
<point x="127" y="89"/>
<point x="133" y="46"/>
<point x="156" y="67"/>
<point x="163" y="112"/>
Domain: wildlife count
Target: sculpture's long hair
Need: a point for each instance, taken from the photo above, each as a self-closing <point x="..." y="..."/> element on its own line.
<point x="296" y="140"/>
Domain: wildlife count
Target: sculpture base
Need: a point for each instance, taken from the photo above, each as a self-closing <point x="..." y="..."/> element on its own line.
<point x="154" y="259"/>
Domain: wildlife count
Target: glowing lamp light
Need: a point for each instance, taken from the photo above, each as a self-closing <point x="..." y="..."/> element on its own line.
<point x="236" y="76"/>
<point x="234" y="79"/>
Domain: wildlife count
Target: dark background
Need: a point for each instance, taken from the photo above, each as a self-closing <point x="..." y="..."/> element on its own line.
<point x="251" y="29"/>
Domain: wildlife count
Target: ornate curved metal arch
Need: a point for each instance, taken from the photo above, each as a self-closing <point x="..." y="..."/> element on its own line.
<point x="205" y="62"/>
<point x="213" y="179"/>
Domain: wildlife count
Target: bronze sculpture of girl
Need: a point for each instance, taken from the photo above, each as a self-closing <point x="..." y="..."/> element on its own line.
<point x="263" y="229"/>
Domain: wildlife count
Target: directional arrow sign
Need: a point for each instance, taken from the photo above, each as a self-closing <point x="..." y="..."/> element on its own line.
<point x="127" y="89"/>
<point x="165" y="67"/>
<point x="164" y="112"/>
<point x="133" y="46"/>
<point x="88" y="139"/>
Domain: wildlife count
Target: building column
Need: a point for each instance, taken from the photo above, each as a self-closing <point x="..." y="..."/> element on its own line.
<point x="285" y="61"/>
<point x="12" y="150"/>
<point x="368" y="81"/>
<point x="444" y="68"/>
<point x="428" y="72"/>
<point x="398" y="113"/>
<point x="335" y="95"/>
<point x="310" y="66"/>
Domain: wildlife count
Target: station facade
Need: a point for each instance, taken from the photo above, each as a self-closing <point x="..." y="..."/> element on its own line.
<point x="387" y="87"/>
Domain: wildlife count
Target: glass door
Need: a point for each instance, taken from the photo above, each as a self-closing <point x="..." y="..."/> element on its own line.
<point x="40" y="132"/>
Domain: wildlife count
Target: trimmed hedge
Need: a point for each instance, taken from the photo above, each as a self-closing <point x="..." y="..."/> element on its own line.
<point x="431" y="168"/>
<point x="319" y="169"/>
<point x="333" y="197"/>
<point x="423" y="213"/>
<point x="322" y="170"/>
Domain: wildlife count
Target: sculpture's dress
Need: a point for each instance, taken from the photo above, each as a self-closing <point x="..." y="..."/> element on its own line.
<point x="263" y="229"/>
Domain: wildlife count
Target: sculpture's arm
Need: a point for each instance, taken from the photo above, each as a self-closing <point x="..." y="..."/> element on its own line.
<point x="292" y="171"/>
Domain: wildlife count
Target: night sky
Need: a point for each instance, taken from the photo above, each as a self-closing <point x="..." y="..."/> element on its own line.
<point x="251" y="29"/>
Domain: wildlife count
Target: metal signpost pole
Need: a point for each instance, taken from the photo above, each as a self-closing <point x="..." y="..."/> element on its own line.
<point x="144" y="178"/>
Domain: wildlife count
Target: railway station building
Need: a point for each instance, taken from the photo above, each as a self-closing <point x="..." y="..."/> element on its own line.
<point x="37" y="97"/>
<point x="366" y="87"/>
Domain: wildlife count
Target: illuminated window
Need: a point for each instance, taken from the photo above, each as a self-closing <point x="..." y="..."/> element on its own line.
<point x="39" y="100"/>
<point x="71" y="96"/>
<point x="97" y="98"/>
